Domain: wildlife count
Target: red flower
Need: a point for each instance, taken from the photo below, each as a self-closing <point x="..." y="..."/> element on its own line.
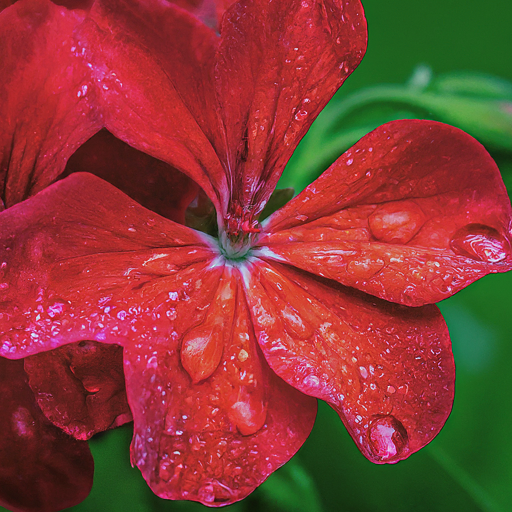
<point x="226" y="341"/>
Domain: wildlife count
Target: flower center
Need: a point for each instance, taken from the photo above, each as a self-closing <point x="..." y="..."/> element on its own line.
<point x="236" y="247"/>
<point x="239" y="233"/>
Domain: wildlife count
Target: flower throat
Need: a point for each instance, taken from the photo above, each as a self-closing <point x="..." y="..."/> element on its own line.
<point x="239" y="233"/>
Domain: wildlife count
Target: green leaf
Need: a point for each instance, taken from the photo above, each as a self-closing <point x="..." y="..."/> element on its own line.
<point x="479" y="104"/>
<point x="277" y="200"/>
<point x="290" y="489"/>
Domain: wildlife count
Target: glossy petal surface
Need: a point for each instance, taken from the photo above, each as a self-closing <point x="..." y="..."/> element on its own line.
<point x="82" y="261"/>
<point x="151" y="64"/>
<point x="277" y="66"/>
<point x="45" y="106"/>
<point x="151" y="182"/>
<point x="213" y="437"/>
<point x="41" y="468"/>
<point x="80" y="387"/>
<point x="387" y="369"/>
<point x="413" y="213"/>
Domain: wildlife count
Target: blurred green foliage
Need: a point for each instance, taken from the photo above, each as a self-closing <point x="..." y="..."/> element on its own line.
<point x="468" y="467"/>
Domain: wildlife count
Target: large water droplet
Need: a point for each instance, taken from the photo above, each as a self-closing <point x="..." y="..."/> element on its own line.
<point x="480" y="242"/>
<point x="248" y="413"/>
<point x="387" y="437"/>
<point x="206" y="493"/>
<point x="201" y="350"/>
<point x="396" y="222"/>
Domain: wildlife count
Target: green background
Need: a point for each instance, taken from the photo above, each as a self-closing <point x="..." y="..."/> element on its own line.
<point x="468" y="467"/>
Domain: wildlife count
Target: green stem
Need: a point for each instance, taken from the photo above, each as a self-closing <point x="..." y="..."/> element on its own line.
<point x="479" y="495"/>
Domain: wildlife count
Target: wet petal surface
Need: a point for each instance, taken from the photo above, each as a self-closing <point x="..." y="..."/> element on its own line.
<point x="386" y="369"/>
<point x="46" y="107"/>
<point x="277" y="66"/>
<point x="42" y="469"/>
<point x="150" y="64"/>
<point x="413" y="213"/>
<point x="82" y="261"/>
<point x="211" y="437"/>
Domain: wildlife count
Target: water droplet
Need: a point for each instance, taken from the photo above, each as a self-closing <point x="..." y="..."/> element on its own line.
<point x="248" y="413"/>
<point x="294" y="324"/>
<point x="57" y="308"/>
<point x="152" y="362"/>
<point x="206" y="493"/>
<point x="480" y="242"/>
<point x="391" y="389"/>
<point x="171" y="314"/>
<point x="365" y="268"/>
<point x="311" y="381"/>
<point x="396" y="222"/>
<point x="201" y="350"/>
<point x="387" y="437"/>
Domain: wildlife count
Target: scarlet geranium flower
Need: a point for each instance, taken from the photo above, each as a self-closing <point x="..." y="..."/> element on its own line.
<point x="227" y="341"/>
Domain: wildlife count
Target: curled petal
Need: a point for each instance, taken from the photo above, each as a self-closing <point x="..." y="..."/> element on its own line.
<point x="277" y="66"/>
<point x="80" y="260"/>
<point x="150" y="65"/>
<point x="42" y="469"/>
<point x="213" y="439"/>
<point x="86" y="393"/>
<point x="386" y="369"/>
<point x="413" y="213"/>
<point x="46" y="107"/>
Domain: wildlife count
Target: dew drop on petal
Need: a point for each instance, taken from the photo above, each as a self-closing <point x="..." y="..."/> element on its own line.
<point x="201" y="351"/>
<point x="387" y="437"/>
<point x="311" y="382"/>
<point x="248" y="413"/>
<point x="396" y="222"/>
<point x="206" y="493"/>
<point x="480" y="242"/>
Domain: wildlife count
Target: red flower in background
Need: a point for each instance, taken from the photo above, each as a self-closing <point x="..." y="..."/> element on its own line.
<point x="226" y="341"/>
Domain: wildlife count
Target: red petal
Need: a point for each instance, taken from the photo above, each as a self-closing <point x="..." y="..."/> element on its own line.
<point x="152" y="183"/>
<point x="413" y="213"/>
<point x="151" y="64"/>
<point x="83" y="261"/>
<point x="277" y="66"/>
<point x="45" y="111"/>
<point x="216" y="440"/>
<point x="85" y="394"/>
<point x="41" y="468"/>
<point x="387" y="369"/>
